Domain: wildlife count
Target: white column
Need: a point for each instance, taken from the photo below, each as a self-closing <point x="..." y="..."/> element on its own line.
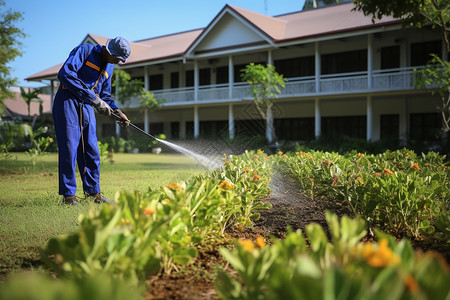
<point x="52" y="94"/>
<point x="269" y="125"/>
<point x="403" y="126"/>
<point x="146" y="123"/>
<point x="146" y="79"/>
<point x="182" y="80"/>
<point x="369" y="60"/>
<point x="230" y="121"/>
<point x="270" y="57"/>
<point x="196" y="122"/>
<point x="182" y="129"/>
<point x="196" y="80"/>
<point x="369" y="118"/>
<point x="317" y="66"/>
<point x="317" y="118"/>
<point x="230" y="77"/>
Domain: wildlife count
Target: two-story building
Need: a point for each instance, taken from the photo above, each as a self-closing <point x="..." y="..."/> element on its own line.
<point x="345" y="76"/>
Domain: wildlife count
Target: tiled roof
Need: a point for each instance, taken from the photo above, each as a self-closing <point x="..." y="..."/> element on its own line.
<point x="18" y="106"/>
<point x="293" y="26"/>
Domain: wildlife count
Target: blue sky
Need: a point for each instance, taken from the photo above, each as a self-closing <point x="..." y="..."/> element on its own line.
<point x="54" y="27"/>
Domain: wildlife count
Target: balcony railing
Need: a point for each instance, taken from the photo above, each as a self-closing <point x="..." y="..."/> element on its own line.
<point x="334" y="84"/>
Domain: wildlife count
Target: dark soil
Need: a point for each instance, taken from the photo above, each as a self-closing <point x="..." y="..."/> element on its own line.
<point x="290" y="207"/>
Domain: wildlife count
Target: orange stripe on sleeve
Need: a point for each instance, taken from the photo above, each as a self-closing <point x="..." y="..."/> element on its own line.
<point x="88" y="63"/>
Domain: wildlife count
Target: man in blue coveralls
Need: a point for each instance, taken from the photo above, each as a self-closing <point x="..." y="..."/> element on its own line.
<point x="85" y="84"/>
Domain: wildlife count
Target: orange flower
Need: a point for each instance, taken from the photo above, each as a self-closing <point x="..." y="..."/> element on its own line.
<point x="260" y="242"/>
<point x="415" y="167"/>
<point x="260" y="152"/>
<point x="377" y="174"/>
<point x="255" y="156"/>
<point x="360" y="155"/>
<point x="411" y="285"/>
<point x="226" y="184"/>
<point x="246" y="170"/>
<point x="256" y="177"/>
<point x="407" y="154"/>
<point x="284" y="156"/>
<point x="174" y="186"/>
<point x="247" y="244"/>
<point x="227" y="163"/>
<point x="388" y="172"/>
<point x="149" y="211"/>
<point x="280" y="152"/>
<point x="167" y="200"/>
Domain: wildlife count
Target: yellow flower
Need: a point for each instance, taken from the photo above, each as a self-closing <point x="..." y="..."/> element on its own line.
<point x="149" y="211"/>
<point x="383" y="256"/>
<point x="247" y="244"/>
<point x="226" y="184"/>
<point x="280" y="152"/>
<point x="260" y="242"/>
<point x="297" y="153"/>
<point x="50" y="140"/>
<point x="415" y="167"/>
<point x="360" y="180"/>
<point x="224" y="155"/>
<point x="388" y="172"/>
<point x="360" y="155"/>
<point x="174" y="186"/>
<point x="260" y="152"/>
<point x="124" y="222"/>
<point x="167" y="200"/>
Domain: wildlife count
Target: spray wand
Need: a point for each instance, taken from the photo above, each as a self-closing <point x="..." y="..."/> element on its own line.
<point x="134" y="126"/>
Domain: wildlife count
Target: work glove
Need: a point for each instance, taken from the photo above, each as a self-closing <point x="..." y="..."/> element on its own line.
<point x="101" y="106"/>
<point x="122" y="120"/>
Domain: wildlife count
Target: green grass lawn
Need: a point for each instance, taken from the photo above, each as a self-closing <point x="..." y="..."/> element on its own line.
<point x="30" y="207"/>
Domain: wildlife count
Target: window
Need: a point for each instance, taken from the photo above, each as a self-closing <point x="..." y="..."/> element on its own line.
<point x="221" y="75"/>
<point x="205" y="77"/>
<point x="390" y="57"/>
<point x="156" y="82"/>
<point x="354" y="126"/>
<point x="389" y="127"/>
<point x="344" y="62"/>
<point x="420" y="52"/>
<point x="298" y="129"/>
<point x="295" y="67"/>
<point x="190" y="78"/>
<point x="175" y="130"/>
<point x="174" y="80"/>
<point x="156" y="128"/>
<point x="425" y="127"/>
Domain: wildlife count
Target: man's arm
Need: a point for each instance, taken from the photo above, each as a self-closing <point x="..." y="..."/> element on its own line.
<point x="68" y="74"/>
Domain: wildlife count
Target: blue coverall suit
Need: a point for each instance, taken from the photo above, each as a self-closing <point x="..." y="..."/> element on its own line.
<point x="82" y="77"/>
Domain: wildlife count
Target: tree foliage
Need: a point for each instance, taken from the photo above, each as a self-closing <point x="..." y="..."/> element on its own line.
<point x="10" y="46"/>
<point x="265" y="85"/>
<point x="129" y="88"/>
<point x="437" y="76"/>
<point x="416" y="13"/>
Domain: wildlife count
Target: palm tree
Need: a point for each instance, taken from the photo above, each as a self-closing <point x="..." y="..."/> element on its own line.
<point x="29" y="97"/>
